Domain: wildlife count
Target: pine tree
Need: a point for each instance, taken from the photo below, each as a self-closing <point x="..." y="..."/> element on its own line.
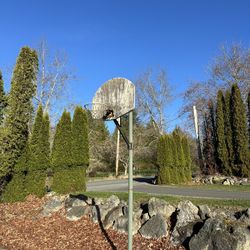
<point x="61" y="156"/>
<point x="221" y="149"/>
<point x="168" y="160"/>
<point x="228" y="131"/>
<point x="3" y="102"/>
<point x="80" y="148"/>
<point x="35" y="142"/>
<point x="19" y="111"/>
<point x="240" y="138"/>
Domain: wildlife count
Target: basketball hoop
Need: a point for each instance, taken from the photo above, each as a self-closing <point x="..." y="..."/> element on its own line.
<point x="102" y="111"/>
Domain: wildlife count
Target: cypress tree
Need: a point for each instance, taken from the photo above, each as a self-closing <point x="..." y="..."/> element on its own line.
<point x="187" y="156"/>
<point x="61" y="156"/>
<point x="180" y="154"/>
<point x="35" y="142"/>
<point x="168" y="160"/>
<point x="208" y="146"/>
<point x="80" y="149"/>
<point x="44" y="142"/>
<point x="240" y="138"/>
<point x="3" y="102"/>
<point x="19" y="111"/>
<point x="221" y="149"/>
<point x="228" y="131"/>
<point x="160" y="160"/>
<point x="248" y="115"/>
<point x="175" y="173"/>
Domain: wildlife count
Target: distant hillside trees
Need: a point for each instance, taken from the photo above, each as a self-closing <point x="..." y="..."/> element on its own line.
<point x="173" y="158"/>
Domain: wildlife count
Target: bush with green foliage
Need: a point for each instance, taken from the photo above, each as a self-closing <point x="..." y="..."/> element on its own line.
<point x="15" y="190"/>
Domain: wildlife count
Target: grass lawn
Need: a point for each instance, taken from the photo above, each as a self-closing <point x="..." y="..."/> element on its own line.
<point x="141" y="197"/>
<point x="242" y="188"/>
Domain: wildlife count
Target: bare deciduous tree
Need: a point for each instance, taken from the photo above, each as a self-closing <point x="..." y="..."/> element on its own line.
<point x="53" y="78"/>
<point x="231" y="66"/>
<point x="153" y="95"/>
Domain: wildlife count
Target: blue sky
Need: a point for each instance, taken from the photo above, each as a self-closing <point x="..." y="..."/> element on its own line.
<point x="105" y="39"/>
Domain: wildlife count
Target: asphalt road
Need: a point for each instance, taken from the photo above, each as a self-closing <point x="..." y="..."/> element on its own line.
<point x="144" y="185"/>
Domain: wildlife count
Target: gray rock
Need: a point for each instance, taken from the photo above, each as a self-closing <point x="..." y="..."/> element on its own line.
<point x="75" y="202"/>
<point x="183" y="234"/>
<point x="137" y="212"/>
<point x="158" y="206"/>
<point x="112" y="216"/>
<point x="155" y="227"/>
<point x="187" y="213"/>
<point x="52" y="206"/>
<point x="243" y="238"/>
<point x="77" y="212"/>
<point x="204" y="212"/>
<point x="145" y="217"/>
<point x="100" y="211"/>
<point x="121" y="224"/>
<point x="216" y="235"/>
<point x="226" y="182"/>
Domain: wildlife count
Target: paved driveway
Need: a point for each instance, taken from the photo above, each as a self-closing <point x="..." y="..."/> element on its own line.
<point x="144" y="185"/>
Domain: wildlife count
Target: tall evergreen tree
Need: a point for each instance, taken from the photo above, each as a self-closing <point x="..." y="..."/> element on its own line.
<point x="19" y="111"/>
<point x="61" y="155"/>
<point x="35" y="154"/>
<point x="208" y="146"/>
<point x="44" y="143"/>
<point x="3" y="102"/>
<point x="221" y="149"/>
<point x="240" y="138"/>
<point x="228" y="130"/>
<point x="248" y="115"/>
<point x="187" y="156"/>
<point x="180" y="154"/>
<point x="80" y="147"/>
<point x="175" y="171"/>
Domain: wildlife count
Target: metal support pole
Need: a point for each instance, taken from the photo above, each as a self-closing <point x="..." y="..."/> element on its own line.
<point x="130" y="184"/>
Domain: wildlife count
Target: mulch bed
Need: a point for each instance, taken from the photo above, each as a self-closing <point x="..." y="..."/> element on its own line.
<point x="22" y="227"/>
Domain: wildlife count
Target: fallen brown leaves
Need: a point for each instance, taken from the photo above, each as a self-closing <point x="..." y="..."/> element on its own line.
<point x="22" y="227"/>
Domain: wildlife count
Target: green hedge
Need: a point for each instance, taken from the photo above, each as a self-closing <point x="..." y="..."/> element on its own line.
<point x="35" y="183"/>
<point x="68" y="180"/>
<point x="15" y="189"/>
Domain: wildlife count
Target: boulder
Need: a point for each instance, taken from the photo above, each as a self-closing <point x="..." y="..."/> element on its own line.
<point x="121" y="224"/>
<point x="112" y="216"/>
<point x="53" y="205"/>
<point x="145" y="217"/>
<point x="155" y="227"/>
<point x="226" y="182"/>
<point x="77" y="202"/>
<point x="187" y="213"/>
<point x="158" y="206"/>
<point x="183" y="234"/>
<point x="100" y="211"/>
<point x="204" y="212"/>
<point x="216" y="235"/>
<point x="77" y="212"/>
